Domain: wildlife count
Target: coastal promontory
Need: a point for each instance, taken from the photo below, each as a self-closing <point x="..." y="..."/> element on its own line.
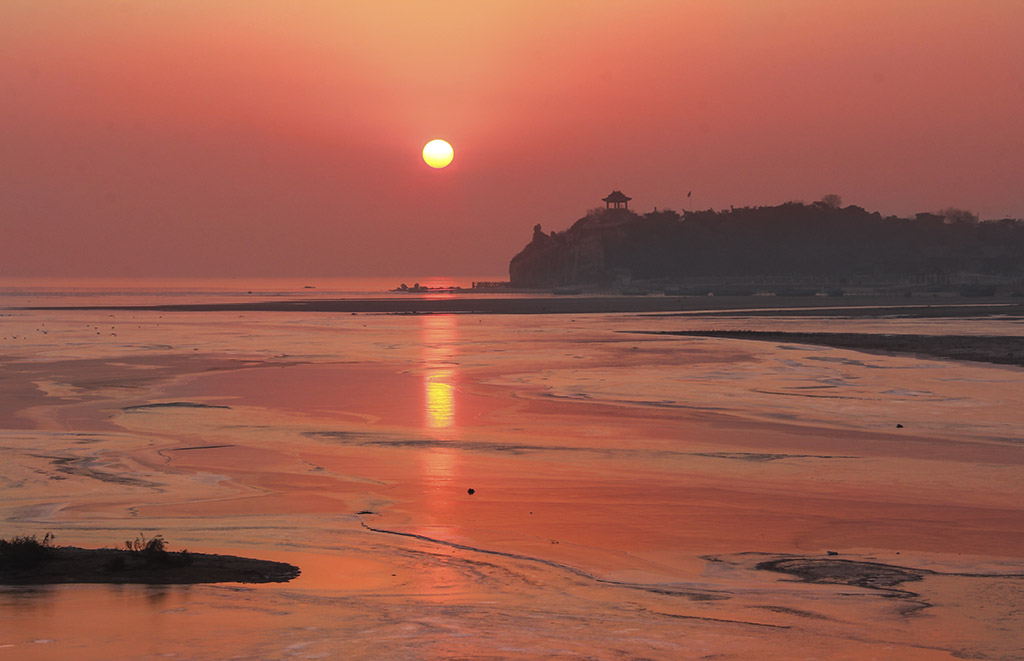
<point x="821" y="243"/>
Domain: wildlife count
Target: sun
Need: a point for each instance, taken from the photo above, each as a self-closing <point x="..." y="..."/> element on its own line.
<point x="438" y="154"/>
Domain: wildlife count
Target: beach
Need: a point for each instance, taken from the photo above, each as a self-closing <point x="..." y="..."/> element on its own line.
<point x="520" y="477"/>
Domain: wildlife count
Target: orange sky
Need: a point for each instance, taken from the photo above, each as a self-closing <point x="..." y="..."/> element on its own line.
<point x="250" y="137"/>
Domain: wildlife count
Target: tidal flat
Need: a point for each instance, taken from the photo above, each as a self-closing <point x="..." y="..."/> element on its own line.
<point x="517" y="485"/>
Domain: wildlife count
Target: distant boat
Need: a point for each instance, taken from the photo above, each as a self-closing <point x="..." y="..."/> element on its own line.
<point x="565" y="291"/>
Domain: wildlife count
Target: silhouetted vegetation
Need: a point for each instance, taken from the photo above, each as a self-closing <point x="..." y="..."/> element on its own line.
<point x="821" y="241"/>
<point x="153" y="551"/>
<point x="25" y="560"/>
<point x="25" y="551"/>
<point x="832" y="201"/>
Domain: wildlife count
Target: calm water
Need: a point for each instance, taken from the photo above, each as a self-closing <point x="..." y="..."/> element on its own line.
<point x="158" y="291"/>
<point x="607" y="468"/>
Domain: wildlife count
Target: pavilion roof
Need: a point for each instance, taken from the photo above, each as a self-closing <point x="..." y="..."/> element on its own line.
<point x="617" y="196"/>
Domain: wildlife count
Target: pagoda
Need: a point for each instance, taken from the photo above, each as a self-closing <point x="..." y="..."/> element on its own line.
<point x="616" y="200"/>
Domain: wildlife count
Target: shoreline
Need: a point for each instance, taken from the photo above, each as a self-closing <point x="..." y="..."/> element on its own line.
<point x="860" y="306"/>
<point x="997" y="349"/>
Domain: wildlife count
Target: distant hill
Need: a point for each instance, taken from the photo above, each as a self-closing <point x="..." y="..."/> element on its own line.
<point x="804" y="242"/>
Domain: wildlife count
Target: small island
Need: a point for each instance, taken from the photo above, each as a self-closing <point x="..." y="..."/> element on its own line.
<point x="26" y="560"/>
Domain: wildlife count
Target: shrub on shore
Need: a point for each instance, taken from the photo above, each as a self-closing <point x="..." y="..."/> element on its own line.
<point x="154" y="551"/>
<point x="25" y="551"/>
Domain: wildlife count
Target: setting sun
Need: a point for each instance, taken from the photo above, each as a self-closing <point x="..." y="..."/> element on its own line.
<point x="438" y="154"/>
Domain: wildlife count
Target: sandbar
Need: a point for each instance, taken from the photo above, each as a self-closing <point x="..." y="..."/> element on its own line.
<point x="999" y="349"/>
<point x="70" y="564"/>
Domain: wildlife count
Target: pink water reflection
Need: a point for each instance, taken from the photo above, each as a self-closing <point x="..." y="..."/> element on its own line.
<point x="439" y="335"/>
<point x="439" y="465"/>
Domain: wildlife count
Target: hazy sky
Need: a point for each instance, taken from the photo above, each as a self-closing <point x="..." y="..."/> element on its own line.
<point x="258" y="137"/>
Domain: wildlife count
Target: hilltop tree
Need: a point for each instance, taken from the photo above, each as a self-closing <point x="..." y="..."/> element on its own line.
<point x="954" y="215"/>
<point x="832" y="201"/>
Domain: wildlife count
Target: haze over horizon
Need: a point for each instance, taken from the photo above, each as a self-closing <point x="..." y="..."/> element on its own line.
<point x="269" y="139"/>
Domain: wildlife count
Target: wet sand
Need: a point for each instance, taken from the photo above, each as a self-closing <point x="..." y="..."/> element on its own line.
<point x="1003" y="350"/>
<point x="633" y="496"/>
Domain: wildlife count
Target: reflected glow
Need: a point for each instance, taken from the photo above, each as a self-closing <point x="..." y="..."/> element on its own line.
<point x="440" y="399"/>
<point x="440" y="380"/>
<point x="439" y="466"/>
<point x="438" y="469"/>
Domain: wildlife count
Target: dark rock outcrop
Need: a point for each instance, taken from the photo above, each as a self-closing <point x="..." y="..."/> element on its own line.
<point x="575" y="256"/>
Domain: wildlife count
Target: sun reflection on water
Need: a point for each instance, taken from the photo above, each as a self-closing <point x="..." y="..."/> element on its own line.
<point x="440" y="381"/>
<point x="438" y="469"/>
<point x="440" y="579"/>
<point x="440" y="399"/>
<point x="439" y="465"/>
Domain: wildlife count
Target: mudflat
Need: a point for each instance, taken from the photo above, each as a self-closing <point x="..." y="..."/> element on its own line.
<point x="1003" y="350"/>
<point x="457" y="485"/>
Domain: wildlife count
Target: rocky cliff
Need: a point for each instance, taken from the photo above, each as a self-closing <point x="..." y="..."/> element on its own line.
<point x="575" y="256"/>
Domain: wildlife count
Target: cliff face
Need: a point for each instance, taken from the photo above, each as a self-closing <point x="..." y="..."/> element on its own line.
<point x="576" y="256"/>
<point x="791" y="240"/>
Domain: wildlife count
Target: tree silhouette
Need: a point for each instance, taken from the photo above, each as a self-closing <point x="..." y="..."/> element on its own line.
<point x="832" y="201"/>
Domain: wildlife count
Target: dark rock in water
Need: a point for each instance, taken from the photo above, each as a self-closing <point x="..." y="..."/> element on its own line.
<point x="471" y="491"/>
<point x="833" y="552"/>
<point x="845" y="572"/>
<point x="899" y="426"/>
<point x="174" y="405"/>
